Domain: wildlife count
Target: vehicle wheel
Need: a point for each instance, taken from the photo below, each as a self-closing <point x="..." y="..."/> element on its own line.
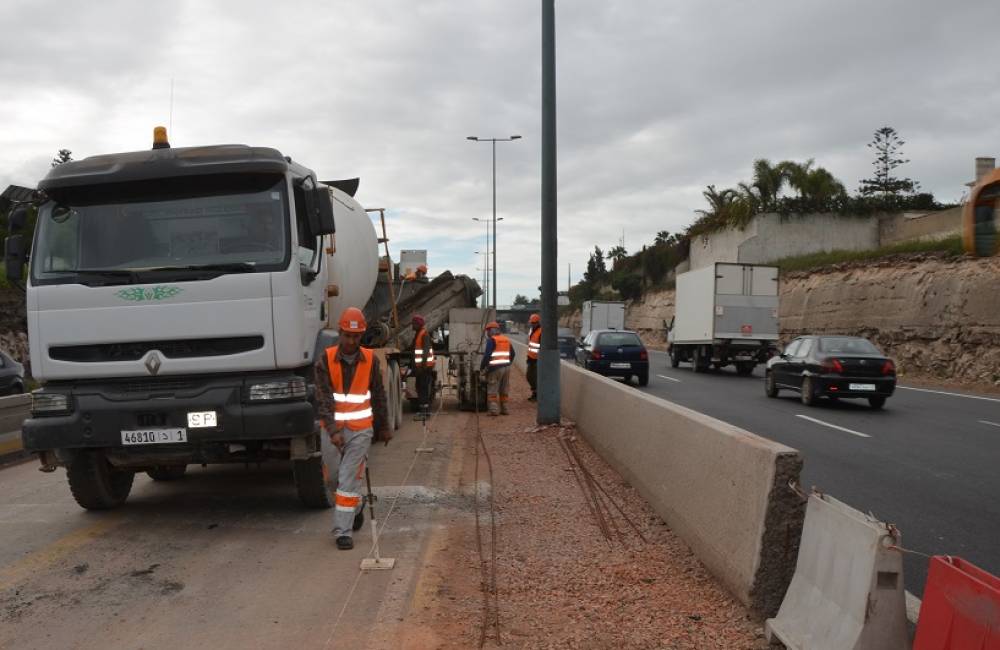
<point x="808" y="392"/>
<point x="627" y="379"/>
<point x="394" y="396"/>
<point x="697" y="363"/>
<point x="675" y="359"/>
<point x="770" y="385"/>
<point x="17" y="388"/>
<point x="167" y="473"/>
<point x="311" y="477"/>
<point x="95" y="484"/>
<point x="876" y="402"/>
<point x="745" y="368"/>
<point x="644" y="378"/>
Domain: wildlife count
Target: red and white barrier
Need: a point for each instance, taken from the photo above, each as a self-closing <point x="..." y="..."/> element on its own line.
<point x="961" y="607"/>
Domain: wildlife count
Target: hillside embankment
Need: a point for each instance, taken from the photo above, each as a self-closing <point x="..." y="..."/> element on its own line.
<point x="937" y="316"/>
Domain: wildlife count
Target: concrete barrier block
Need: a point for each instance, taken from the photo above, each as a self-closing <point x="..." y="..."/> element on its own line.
<point x="723" y="490"/>
<point x="847" y="591"/>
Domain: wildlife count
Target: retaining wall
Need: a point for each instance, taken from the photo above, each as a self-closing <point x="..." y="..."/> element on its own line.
<point x="723" y="490"/>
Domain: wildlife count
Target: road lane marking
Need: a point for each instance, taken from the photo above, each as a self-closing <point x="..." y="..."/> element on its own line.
<point x="670" y="378"/>
<point x="834" y="426"/>
<point x="992" y="424"/>
<point x="941" y="392"/>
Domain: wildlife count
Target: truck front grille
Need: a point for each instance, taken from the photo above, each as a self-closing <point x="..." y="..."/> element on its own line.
<point x="135" y="350"/>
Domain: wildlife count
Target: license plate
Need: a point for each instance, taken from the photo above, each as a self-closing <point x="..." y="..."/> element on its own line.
<point x="621" y="365"/>
<point x="154" y="436"/>
<point x="202" y="419"/>
<point x="861" y="386"/>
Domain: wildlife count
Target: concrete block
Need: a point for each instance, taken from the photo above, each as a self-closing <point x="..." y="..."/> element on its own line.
<point x="722" y="489"/>
<point x="847" y="592"/>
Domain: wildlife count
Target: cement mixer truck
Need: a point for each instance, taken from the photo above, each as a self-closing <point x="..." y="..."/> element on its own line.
<point x="177" y="299"/>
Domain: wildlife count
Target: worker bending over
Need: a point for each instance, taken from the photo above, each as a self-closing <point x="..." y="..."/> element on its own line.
<point x="423" y="364"/>
<point x="534" y="345"/>
<point x="352" y="408"/>
<point x="496" y="363"/>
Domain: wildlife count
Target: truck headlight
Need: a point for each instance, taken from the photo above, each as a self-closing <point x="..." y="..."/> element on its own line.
<point x="50" y="403"/>
<point x="285" y="389"/>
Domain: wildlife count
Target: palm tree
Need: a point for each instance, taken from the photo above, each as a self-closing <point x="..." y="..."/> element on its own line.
<point x="618" y="253"/>
<point x="768" y="180"/>
<point x="815" y="185"/>
<point x="662" y="237"/>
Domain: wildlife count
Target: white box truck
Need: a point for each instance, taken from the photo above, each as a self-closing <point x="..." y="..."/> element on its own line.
<point x="600" y="315"/>
<point x="726" y="314"/>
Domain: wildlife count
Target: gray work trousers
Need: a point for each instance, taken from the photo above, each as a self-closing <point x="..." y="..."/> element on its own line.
<point x="497" y="380"/>
<point x="350" y="479"/>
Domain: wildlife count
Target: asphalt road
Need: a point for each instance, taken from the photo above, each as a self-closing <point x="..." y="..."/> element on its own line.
<point x="929" y="462"/>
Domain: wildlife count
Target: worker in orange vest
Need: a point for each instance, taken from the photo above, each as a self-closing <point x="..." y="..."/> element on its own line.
<point x="352" y="408"/>
<point x="423" y="364"/>
<point x="497" y="357"/>
<point x="534" y="345"/>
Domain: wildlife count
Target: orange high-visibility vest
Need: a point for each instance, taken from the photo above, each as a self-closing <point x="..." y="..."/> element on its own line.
<point x="534" y="343"/>
<point x="418" y="350"/>
<point x="352" y="407"/>
<point x="501" y="352"/>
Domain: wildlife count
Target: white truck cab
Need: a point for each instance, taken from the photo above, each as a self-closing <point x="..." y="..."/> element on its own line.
<point x="176" y="301"/>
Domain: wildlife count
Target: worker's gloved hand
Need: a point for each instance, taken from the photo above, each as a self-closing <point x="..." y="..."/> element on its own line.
<point x="338" y="440"/>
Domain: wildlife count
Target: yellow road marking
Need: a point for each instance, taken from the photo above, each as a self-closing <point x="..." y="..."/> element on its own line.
<point x="11" y="445"/>
<point x="46" y="556"/>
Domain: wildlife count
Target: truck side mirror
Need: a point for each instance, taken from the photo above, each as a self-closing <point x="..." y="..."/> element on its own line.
<point x="17" y="219"/>
<point x="320" y="211"/>
<point x="14" y="257"/>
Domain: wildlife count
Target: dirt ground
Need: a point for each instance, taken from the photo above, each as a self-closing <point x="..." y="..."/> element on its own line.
<point x="560" y="583"/>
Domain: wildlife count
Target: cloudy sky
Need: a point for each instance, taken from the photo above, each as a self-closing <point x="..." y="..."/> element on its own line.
<point x="656" y="99"/>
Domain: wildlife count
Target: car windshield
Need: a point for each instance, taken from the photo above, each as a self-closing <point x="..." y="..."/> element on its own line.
<point x="234" y="223"/>
<point x="847" y="345"/>
<point x="619" y="339"/>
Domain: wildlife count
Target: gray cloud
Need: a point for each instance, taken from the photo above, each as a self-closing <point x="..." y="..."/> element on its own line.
<point x="656" y="100"/>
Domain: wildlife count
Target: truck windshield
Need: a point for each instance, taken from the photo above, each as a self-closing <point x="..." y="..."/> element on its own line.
<point x="180" y="228"/>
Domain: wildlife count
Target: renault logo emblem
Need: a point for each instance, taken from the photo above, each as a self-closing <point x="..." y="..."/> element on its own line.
<point x="153" y="364"/>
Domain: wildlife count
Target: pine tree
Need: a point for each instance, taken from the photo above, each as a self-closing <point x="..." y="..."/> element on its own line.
<point x="888" y="156"/>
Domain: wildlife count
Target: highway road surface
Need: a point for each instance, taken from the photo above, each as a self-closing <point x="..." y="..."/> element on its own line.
<point x="929" y="462"/>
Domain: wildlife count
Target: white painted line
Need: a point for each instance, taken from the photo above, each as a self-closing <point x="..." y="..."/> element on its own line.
<point x="670" y="378"/>
<point x="834" y="426"/>
<point x="992" y="424"/>
<point x="941" y="392"/>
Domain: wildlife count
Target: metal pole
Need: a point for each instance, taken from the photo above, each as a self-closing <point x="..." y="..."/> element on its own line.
<point x="548" y="357"/>
<point x="494" y="223"/>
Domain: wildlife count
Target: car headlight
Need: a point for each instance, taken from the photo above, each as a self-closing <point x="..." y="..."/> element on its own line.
<point x="285" y="389"/>
<point x="43" y="403"/>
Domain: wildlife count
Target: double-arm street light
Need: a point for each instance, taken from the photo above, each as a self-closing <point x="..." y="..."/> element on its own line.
<point x="494" y="141"/>
<point x="486" y="285"/>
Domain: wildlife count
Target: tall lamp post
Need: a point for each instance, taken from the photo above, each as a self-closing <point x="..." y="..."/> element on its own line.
<point x="494" y="141"/>
<point x="486" y="275"/>
<point x="486" y="288"/>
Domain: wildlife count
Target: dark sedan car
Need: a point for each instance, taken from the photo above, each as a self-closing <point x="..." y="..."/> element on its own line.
<point x="11" y="375"/>
<point x="567" y="343"/>
<point x="833" y="367"/>
<point x="615" y="353"/>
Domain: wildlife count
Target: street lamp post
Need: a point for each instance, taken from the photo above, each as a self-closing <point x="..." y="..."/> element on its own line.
<point x="486" y="287"/>
<point x="486" y="275"/>
<point x="494" y="142"/>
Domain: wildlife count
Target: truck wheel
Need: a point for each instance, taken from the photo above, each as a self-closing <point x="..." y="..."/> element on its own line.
<point x="808" y="392"/>
<point x="644" y="378"/>
<point x="95" y="484"/>
<point x="311" y="477"/>
<point x="167" y="473"/>
<point x="675" y="359"/>
<point x="770" y="385"/>
<point x="745" y="368"/>
<point x="698" y="362"/>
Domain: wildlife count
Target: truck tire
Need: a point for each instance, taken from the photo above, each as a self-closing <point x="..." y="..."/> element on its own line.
<point x="698" y="361"/>
<point x="675" y="359"/>
<point x="311" y="476"/>
<point x="167" y="473"/>
<point x="95" y="484"/>
<point x="394" y="396"/>
<point x="745" y="368"/>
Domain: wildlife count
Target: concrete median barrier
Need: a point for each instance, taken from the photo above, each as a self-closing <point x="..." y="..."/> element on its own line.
<point x="722" y="489"/>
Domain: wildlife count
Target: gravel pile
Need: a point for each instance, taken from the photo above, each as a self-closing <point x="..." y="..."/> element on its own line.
<point x="561" y="583"/>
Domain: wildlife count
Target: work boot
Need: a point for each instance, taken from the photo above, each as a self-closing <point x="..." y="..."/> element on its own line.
<point x="503" y="410"/>
<point x="345" y="542"/>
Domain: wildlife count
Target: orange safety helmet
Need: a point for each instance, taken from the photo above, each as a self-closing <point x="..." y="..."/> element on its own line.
<point x="352" y="320"/>
<point x="422" y="268"/>
<point x="535" y="318"/>
<point x="492" y="325"/>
